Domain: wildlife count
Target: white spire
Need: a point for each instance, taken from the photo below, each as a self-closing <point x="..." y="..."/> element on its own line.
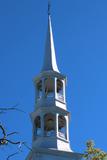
<point x="50" y="58"/>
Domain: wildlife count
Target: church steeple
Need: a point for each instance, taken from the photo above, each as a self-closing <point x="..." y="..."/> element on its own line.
<point x="50" y="117"/>
<point x="50" y="63"/>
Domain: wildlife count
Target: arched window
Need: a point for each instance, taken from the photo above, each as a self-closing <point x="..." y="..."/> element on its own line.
<point x="60" y="90"/>
<point x="62" y="126"/>
<point x="49" y="124"/>
<point x="39" y="88"/>
<point x="49" y="87"/>
<point x="38" y="130"/>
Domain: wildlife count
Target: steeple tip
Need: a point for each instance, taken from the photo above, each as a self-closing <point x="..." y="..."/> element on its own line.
<point x="49" y="7"/>
<point x="50" y="63"/>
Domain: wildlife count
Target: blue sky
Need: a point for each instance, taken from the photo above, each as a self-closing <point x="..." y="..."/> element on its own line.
<point x="80" y="35"/>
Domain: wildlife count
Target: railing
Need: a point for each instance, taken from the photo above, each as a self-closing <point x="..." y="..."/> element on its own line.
<point x="61" y="135"/>
<point x="60" y="97"/>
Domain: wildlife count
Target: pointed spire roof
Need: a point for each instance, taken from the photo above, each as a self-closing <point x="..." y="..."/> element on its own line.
<point x="50" y="63"/>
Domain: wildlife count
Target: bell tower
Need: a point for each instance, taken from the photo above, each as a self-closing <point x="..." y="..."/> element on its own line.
<point x="50" y="117"/>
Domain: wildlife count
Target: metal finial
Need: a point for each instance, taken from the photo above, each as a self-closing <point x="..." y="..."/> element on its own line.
<point x="49" y="7"/>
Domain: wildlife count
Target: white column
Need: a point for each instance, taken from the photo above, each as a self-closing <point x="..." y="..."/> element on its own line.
<point x="67" y="127"/>
<point x="55" y="88"/>
<point x="56" y="120"/>
<point x="64" y="90"/>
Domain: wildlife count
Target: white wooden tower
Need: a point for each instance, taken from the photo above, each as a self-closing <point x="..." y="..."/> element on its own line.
<point x="50" y="117"/>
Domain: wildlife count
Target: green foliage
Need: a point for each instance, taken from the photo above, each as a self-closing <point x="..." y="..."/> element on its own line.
<point x="93" y="153"/>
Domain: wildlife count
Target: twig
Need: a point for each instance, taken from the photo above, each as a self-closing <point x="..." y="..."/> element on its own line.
<point x="27" y="146"/>
<point x="11" y="155"/>
<point x="3" y="131"/>
<point x="12" y="133"/>
<point x="11" y="108"/>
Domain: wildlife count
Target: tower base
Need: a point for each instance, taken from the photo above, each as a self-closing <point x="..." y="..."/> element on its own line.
<point x="51" y="154"/>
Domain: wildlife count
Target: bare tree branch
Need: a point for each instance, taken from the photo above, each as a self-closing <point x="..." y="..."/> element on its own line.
<point x="12" y="133"/>
<point x="3" y="131"/>
<point x="11" y="155"/>
<point x="11" y="108"/>
<point x="4" y="140"/>
<point x="27" y="146"/>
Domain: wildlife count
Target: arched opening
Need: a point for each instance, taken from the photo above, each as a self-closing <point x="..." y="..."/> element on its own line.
<point x="60" y="93"/>
<point x="62" y="126"/>
<point x="49" y="87"/>
<point x="39" y="89"/>
<point x="49" y="124"/>
<point x="38" y="130"/>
